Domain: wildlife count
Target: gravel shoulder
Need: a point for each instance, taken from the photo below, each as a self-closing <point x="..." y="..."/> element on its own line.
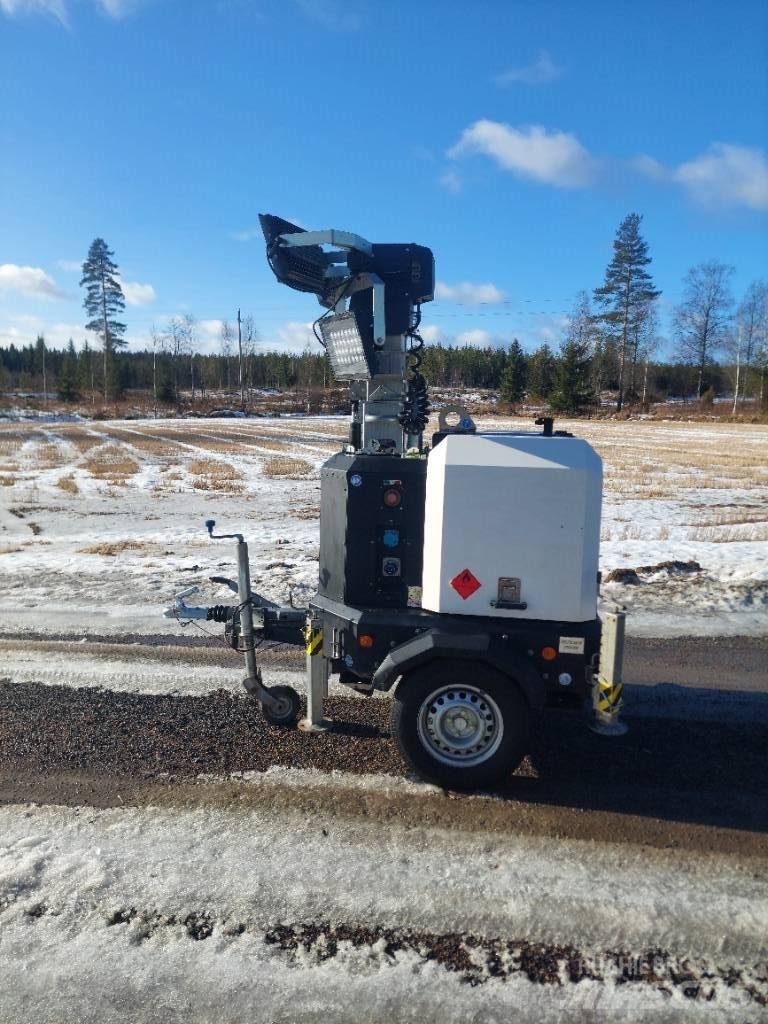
<point x="680" y="778"/>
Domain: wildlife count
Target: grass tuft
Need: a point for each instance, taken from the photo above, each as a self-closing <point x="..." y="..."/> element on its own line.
<point x="213" y="475"/>
<point x="68" y="484"/>
<point x="288" y="468"/>
<point x="111" y="464"/>
<point x="112" y="548"/>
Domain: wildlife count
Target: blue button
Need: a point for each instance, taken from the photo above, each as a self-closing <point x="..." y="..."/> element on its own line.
<point x="391" y="538"/>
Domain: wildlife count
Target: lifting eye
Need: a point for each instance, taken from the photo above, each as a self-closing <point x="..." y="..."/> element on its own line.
<point x="392" y="497"/>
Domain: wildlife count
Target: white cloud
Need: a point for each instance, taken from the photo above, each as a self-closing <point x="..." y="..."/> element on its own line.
<point x="650" y="167"/>
<point x="468" y="293"/>
<point x="542" y="70"/>
<point x="22" y="330"/>
<point x="727" y="175"/>
<point x="293" y="337"/>
<point x="555" y="158"/>
<point x="208" y="336"/>
<point x="30" y="281"/>
<point x="432" y="334"/>
<point x="476" y="338"/>
<point x="549" y="328"/>
<point x="56" y="8"/>
<point x="451" y="181"/>
<point x="138" y="294"/>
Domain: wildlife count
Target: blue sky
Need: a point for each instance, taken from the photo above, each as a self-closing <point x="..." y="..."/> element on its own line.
<point x="509" y="137"/>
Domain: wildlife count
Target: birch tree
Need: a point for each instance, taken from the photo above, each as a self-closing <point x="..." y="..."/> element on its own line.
<point x="702" y="321"/>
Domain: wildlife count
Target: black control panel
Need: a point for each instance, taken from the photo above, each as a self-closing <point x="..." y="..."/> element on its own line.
<point x="371" y="529"/>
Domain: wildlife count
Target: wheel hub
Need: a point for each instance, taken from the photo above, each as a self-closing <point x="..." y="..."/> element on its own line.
<point x="460" y="725"/>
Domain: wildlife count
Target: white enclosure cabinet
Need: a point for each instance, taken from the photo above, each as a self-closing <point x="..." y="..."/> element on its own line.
<point x="512" y="527"/>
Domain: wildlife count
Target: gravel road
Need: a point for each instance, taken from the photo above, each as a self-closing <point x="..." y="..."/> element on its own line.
<point x="679" y="777"/>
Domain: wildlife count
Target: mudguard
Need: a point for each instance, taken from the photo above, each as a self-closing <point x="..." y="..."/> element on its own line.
<point x="476" y="647"/>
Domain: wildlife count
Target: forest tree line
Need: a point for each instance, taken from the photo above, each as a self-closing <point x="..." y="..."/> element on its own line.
<point x="566" y="379"/>
<point x="608" y="349"/>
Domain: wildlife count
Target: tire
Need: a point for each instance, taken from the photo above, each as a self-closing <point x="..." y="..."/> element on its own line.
<point x="460" y="724"/>
<point x="290" y="706"/>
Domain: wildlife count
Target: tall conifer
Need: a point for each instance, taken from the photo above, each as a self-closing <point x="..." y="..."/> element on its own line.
<point x="103" y="301"/>
<point x="626" y="294"/>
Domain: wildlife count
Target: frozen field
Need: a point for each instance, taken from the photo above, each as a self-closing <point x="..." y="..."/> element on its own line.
<point x="166" y="856"/>
<point x="101" y="523"/>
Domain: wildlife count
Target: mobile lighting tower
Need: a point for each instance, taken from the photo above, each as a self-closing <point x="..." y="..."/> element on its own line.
<point x="463" y="575"/>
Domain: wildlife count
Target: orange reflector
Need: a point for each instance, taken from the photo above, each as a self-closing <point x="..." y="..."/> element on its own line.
<point x="548" y="653"/>
<point x="365" y="640"/>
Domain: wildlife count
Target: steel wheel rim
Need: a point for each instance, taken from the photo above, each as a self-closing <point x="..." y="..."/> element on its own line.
<point x="460" y="726"/>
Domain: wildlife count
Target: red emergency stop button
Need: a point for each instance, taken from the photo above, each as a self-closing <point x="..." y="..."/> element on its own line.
<point x="392" y="497"/>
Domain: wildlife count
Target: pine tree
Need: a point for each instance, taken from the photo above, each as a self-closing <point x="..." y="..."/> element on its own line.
<point x="513" y="376"/>
<point x="39" y="364"/>
<point x="573" y="391"/>
<point x="627" y="294"/>
<point x="104" y="301"/>
<point x="66" y="384"/>
<point x="541" y="372"/>
<point x="85" y="369"/>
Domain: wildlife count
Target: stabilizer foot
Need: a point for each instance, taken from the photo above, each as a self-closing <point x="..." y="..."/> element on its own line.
<point x="324" y="725"/>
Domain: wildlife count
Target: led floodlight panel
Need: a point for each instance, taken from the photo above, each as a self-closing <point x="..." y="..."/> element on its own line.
<point x="300" y="268"/>
<point x="345" y="347"/>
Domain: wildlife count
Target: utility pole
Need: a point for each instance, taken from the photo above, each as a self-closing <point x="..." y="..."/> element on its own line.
<point x="45" y="386"/>
<point x="240" y="359"/>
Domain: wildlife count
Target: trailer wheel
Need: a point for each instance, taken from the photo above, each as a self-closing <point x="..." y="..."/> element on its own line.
<point x="288" y="709"/>
<point x="460" y="724"/>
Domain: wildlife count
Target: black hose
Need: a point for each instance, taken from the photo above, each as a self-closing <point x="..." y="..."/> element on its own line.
<point x="414" y="414"/>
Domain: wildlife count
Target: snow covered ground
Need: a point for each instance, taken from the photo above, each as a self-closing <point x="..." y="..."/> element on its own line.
<point x="204" y="914"/>
<point x="101" y="523"/>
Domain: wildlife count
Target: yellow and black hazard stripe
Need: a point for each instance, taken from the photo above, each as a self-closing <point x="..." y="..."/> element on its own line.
<point x="314" y="638"/>
<point x="608" y="696"/>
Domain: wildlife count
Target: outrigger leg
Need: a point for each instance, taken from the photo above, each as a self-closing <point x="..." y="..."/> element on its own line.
<point x="317" y="676"/>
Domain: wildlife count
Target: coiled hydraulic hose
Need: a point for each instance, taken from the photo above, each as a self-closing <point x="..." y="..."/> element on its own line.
<point x="414" y="413"/>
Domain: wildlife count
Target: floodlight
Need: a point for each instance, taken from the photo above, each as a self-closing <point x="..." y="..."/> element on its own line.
<point x="301" y="267"/>
<point x="344" y="344"/>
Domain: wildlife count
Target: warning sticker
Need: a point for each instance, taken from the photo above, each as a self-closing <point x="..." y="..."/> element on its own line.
<point x="571" y="645"/>
<point x="465" y="584"/>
